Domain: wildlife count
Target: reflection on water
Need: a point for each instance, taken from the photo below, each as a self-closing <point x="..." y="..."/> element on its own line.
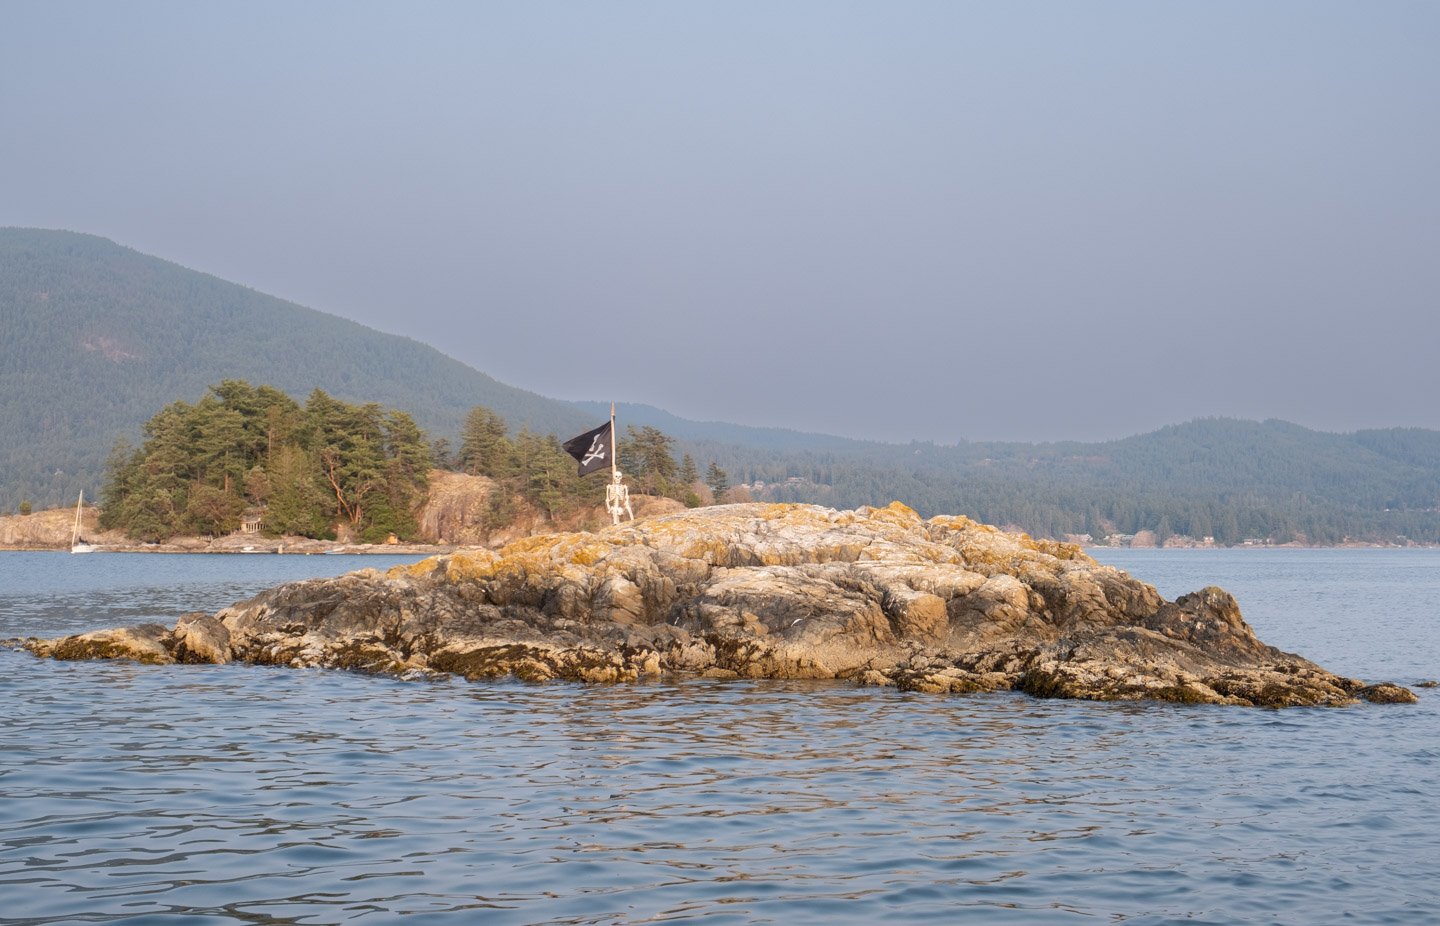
<point x="241" y="794"/>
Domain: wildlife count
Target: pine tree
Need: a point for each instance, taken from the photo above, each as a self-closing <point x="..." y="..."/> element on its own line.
<point x="718" y="481"/>
<point x="257" y="486"/>
<point x="296" y="505"/>
<point x="407" y="473"/>
<point x="484" y="448"/>
<point x="217" y="445"/>
<point x="441" y="453"/>
<point x="213" y="510"/>
<point x="650" y="455"/>
<point x="549" y="479"/>
<point x="689" y="475"/>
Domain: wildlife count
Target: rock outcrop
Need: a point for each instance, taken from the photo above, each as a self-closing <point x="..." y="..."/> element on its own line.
<point x="50" y="529"/>
<point x="878" y="596"/>
<point x="455" y="509"/>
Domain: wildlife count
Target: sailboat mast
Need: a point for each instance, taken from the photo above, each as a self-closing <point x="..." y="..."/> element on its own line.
<point x="75" y="534"/>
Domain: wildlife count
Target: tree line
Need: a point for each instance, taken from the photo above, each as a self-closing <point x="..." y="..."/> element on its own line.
<point x="304" y="468"/>
<point x="313" y="469"/>
<point x="1231" y="480"/>
<point x="329" y="465"/>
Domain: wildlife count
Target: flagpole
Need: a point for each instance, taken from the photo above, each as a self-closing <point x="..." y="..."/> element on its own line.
<point x="614" y="444"/>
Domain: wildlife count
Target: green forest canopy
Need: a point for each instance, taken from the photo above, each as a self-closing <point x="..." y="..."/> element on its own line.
<point x="203" y="465"/>
<point x="328" y="465"/>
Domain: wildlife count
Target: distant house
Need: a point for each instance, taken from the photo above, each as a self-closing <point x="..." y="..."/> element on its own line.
<point x="250" y="522"/>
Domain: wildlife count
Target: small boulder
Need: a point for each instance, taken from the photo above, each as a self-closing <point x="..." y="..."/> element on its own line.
<point x="200" y="638"/>
<point x="143" y="643"/>
<point x="1387" y="693"/>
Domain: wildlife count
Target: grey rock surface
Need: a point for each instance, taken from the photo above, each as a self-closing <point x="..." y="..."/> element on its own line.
<point x="879" y="596"/>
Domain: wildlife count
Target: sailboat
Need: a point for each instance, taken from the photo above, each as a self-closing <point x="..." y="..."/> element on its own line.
<point x="77" y="543"/>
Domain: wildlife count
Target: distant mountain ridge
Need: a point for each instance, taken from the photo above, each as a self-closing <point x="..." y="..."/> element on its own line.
<point x="98" y="337"/>
<point x="1270" y="481"/>
<point x="95" y="338"/>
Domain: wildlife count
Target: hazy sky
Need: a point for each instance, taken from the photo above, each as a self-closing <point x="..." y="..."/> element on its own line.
<point x="889" y="220"/>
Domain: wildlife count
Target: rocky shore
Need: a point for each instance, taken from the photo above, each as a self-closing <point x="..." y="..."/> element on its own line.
<point x="878" y="596"/>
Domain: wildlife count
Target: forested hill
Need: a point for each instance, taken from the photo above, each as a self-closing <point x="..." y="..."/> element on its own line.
<point x="95" y="337"/>
<point x="1225" y="478"/>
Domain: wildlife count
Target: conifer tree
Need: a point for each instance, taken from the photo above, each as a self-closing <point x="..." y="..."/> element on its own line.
<point x="689" y="475"/>
<point x="1163" y="531"/>
<point x="718" y="481"/>
<point x="649" y="454"/>
<point x="213" y="510"/>
<point x="296" y="505"/>
<point x="441" y="454"/>
<point x="484" y="447"/>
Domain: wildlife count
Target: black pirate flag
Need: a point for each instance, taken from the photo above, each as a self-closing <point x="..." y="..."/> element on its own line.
<point x="594" y="449"/>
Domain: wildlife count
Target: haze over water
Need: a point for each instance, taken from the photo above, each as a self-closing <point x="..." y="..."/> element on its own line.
<point x="235" y="793"/>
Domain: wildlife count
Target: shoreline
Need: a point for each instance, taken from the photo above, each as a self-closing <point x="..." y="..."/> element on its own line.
<point x="50" y="530"/>
<point x="1275" y="547"/>
<point x="304" y="546"/>
<point x="290" y="546"/>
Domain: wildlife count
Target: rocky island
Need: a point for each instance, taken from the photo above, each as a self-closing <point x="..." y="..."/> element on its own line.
<point x="877" y="596"/>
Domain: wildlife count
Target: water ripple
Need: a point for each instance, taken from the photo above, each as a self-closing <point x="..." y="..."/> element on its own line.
<point x="267" y="795"/>
<point x="194" y="794"/>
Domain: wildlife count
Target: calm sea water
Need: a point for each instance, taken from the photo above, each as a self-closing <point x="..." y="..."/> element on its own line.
<point x="237" y="794"/>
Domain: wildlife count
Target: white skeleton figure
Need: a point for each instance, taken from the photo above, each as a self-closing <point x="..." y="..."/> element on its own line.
<point x="617" y="498"/>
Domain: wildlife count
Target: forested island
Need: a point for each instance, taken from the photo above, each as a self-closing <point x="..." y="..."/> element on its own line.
<point x="329" y="468"/>
<point x="334" y="470"/>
